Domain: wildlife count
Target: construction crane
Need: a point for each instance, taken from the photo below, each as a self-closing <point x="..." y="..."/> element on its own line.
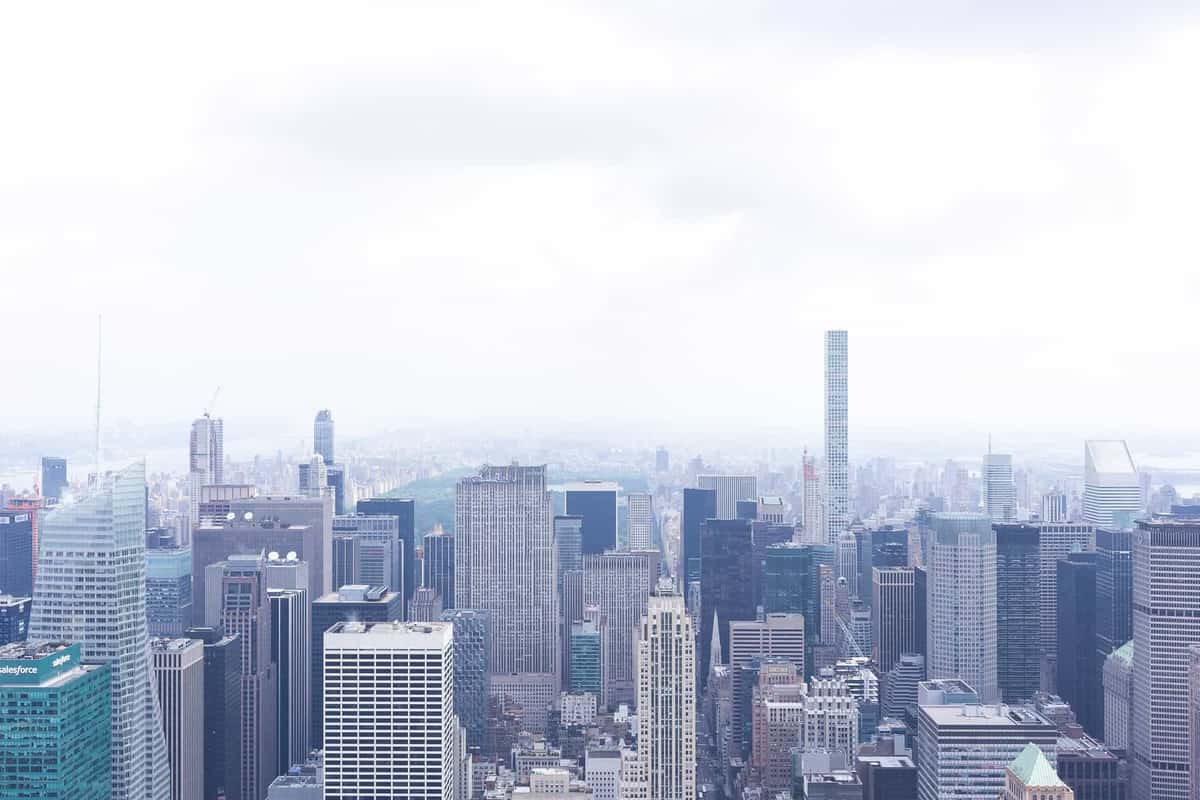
<point x="212" y="404"/>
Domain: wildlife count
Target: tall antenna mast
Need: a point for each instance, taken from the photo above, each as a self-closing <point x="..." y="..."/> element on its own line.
<point x="99" y="364"/>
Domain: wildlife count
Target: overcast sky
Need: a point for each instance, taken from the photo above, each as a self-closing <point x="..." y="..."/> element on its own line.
<point x="640" y="211"/>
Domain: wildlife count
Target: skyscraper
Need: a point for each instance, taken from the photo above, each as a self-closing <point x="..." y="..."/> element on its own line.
<point x="837" y="467"/>
<point x="619" y="584"/>
<point x="1018" y="611"/>
<point x="246" y="613"/>
<point x="14" y="618"/>
<point x="814" y="514"/>
<point x="962" y="749"/>
<point x="730" y="489"/>
<point x="893" y="616"/>
<point x="269" y="524"/>
<point x="1114" y="598"/>
<point x="641" y="520"/>
<point x="698" y="505"/>
<point x="179" y="670"/>
<point x="792" y="583"/>
<point x="348" y="604"/>
<point x="1166" y="596"/>
<point x="169" y="599"/>
<point x="472" y="660"/>
<point x="1110" y="481"/>
<point x="92" y="590"/>
<point x="1078" y="665"/>
<point x="999" y="494"/>
<point x="568" y="543"/>
<point x="1118" y="697"/>
<point x="390" y="727"/>
<point x="504" y="564"/>
<point x="54" y="477"/>
<point x="439" y="565"/>
<point x="405" y="513"/>
<point x="1055" y="541"/>
<point x="291" y="647"/>
<point x="666" y="669"/>
<point x="17" y="553"/>
<point x="596" y="503"/>
<point x="323" y="435"/>
<point x="586" y="657"/>
<point x="726" y="582"/>
<point x="962" y="602"/>
<point x="380" y="550"/>
<point x="206" y="459"/>
<point x="779" y="636"/>
<point x="222" y="713"/>
<point x="55" y="723"/>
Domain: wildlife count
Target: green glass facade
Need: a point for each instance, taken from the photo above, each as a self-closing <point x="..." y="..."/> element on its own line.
<point x="585" y="658"/>
<point x="55" y="724"/>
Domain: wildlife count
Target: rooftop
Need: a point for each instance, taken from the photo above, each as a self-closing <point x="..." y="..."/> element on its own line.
<point x="1124" y="652"/>
<point x="1032" y="768"/>
<point x="975" y="715"/>
<point x="1109" y="456"/>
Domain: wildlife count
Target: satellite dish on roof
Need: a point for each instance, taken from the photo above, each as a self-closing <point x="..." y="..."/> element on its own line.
<point x="272" y="556"/>
<point x="249" y="515"/>
<point x="230" y="516"/>
<point x="291" y="556"/>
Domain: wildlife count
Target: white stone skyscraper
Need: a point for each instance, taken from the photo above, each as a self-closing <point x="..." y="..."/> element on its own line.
<point x="91" y="589"/>
<point x="999" y="493"/>
<point x="641" y="520"/>
<point x="1110" y="482"/>
<point x="389" y="722"/>
<point x="1166" y="599"/>
<point x="504" y="563"/>
<point x="961" y="606"/>
<point x="666" y="688"/>
<point x="837" y="467"/>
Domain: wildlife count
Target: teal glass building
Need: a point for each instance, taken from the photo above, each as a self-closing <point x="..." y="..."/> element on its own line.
<point x="55" y="724"/>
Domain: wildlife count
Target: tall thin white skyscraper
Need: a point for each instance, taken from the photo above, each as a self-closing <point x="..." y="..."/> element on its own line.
<point x="1110" y="482"/>
<point x="961" y="607"/>
<point x="641" y="520"/>
<point x="504" y="563"/>
<point x="206" y="459"/>
<point x="91" y="589"/>
<point x="837" y="466"/>
<point x="999" y="493"/>
<point x="666" y="669"/>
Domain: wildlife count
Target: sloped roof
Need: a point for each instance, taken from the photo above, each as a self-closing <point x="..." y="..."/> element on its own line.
<point x="1032" y="768"/>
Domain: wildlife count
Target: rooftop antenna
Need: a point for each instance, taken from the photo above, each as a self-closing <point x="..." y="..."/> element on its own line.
<point x="99" y="364"/>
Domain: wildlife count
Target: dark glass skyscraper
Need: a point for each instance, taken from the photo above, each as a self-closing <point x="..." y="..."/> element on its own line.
<point x="1079" y="668"/>
<point x="168" y="590"/>
<point x="884" y="547"/>
<point x="439" y="565"/>
<point x="323" y="436"/>
<point x="1018" y="612"/>
<point x="1114" y="589"/>
<point x="792" y="584"/>
<point x="472" y="661"/>
<point x="568" y="542"/>
<point x="16" y="553"/>
<point x="726" y="584"/>
<point x="596" y="502"/>
<point x="14" y="618"/>
<point x="406" y="511"/>
<point x="54" y="477"/>
<point x="222" y="713"/>
<point x="698" y="505"/>
<point x="348" y="604"/>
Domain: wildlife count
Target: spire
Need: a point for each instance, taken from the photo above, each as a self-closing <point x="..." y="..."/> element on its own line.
<point x="715" y="658"/>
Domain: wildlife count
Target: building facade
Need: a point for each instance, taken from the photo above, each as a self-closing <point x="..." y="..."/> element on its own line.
<point x="472" y="663"/>
<point x="93" y="557"/>
<point x="837" y="465"/>
<point x="1110" y="482"/>
<point x="1018" y="611"/>
<point x="596" y="503"/>
<point x="179" y="670"/>
<point x="504" y="564"/>
<point x="389" y="725"/>
<point x="961" y="607"/>
<point x="1166" y="599"/>
<point x="641" y="520"/>
<point x="55" y="723"/>
<point x="619" y="585"/>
